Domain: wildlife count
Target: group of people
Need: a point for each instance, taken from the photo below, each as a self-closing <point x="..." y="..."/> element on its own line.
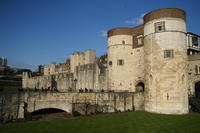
<point x="85" y="90"/>
<point x="90" y="90"/>
<point x="54" y="89"/>
<point x="49" y="89"/>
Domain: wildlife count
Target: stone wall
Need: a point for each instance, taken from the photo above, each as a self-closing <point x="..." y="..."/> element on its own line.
<point x="55" y="68"/>
<point x="11" y="106"/>
<point x="88" y="76"/>
<point x="193" y="72"/>
<point x="62" y="81"/>
<point x="85" y="76"/>
<point x="15" y="106"/>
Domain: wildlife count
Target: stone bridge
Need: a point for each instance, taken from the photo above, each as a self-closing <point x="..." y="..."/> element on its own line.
<point x="17" y="105"/>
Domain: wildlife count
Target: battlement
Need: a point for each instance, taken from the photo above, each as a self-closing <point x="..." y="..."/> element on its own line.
<point x="80" y="58"/>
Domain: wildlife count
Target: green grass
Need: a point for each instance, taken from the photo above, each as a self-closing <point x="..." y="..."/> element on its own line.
<point x="131" y="122"/>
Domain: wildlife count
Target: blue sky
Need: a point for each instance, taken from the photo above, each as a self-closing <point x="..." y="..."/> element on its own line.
<point x="34" y="32"/>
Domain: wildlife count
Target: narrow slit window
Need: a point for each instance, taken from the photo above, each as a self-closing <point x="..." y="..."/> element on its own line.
<point x="196" y="69"/>
<point x="123" y="42"/>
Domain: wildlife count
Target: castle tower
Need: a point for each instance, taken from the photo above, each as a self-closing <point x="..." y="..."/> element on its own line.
<point x="25" y="78"/>
<point x="90" y="56"/>
<point x="125" y="58"/>
<point x="165" y="61"/>
<point x="76" y="59"/>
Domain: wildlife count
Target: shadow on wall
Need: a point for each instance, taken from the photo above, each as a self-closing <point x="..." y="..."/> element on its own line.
<point x="47" y="111"/>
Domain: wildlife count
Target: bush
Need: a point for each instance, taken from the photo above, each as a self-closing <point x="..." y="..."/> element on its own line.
<point x="76" y="113"/>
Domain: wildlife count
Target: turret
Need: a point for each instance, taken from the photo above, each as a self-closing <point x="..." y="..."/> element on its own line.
<point x="125" y="58"/>
<point x="25" y="78"/>
<point x="76" y="59"/>
<point x="165" y="61"/>
<point x="90" y="56"/>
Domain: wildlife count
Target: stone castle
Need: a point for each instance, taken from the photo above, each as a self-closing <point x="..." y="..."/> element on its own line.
<point x="158" y="58"/>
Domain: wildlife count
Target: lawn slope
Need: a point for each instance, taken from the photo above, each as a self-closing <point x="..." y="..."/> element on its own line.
<point x="131" y="122"/>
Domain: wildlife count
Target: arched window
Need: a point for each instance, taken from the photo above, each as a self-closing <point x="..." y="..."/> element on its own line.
<point x="110" y="63"/>
<point x="140" y="87"/>
<point x="123" y="42"/>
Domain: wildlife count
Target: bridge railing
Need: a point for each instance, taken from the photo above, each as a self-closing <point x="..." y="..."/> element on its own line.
<point x="84" y="91"/>
<point x="64" y="91"/>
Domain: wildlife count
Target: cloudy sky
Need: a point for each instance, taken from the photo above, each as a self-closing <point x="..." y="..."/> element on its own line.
<point x="34" y="32"/>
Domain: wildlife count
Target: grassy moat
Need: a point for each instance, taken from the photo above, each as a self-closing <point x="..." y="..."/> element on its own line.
<point x="10" y="83"/>
<point x="130" y="122"/>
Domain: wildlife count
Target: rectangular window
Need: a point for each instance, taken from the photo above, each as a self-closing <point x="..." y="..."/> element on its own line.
<point x="168" y="53"/>
<point x="195" y="41"/>
<point x="110" y="63"/>
<point x="139" y="41"/>
<point x="120" y="62"/>
<point x="196" y="69"/>
<point x="199" y="70"/>
<point x="160" y="26"/>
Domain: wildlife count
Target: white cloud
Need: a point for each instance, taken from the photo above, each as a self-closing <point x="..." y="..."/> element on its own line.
<point x="22" y="65"/>
<point x="103" y="33"/>
<point x="136" y="20"/>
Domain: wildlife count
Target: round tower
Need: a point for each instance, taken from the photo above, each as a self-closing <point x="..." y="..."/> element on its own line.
<point x="165" y="61"/>
<point x="125" y="58"/>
